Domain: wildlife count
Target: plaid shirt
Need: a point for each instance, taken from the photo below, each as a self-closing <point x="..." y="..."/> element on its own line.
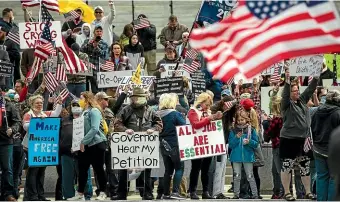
<point x="273" y="131"/>
<point x="102" y="51"/>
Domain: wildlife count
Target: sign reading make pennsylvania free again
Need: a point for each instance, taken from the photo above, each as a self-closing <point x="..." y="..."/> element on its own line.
<point x="205" y="142"/>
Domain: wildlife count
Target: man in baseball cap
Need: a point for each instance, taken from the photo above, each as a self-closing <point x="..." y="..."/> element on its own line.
<point x="105" y="21"/>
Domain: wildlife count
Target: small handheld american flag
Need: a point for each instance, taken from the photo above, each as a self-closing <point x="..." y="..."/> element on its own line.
<point x="61" y="72"/>
<point x="190" y="64"/>
<point x="106" y="65"/>
<point x="141" y="23"/>
<point x="51" y="82"/>
<point x="13" y="35"/>
<point x="63" y="95"/>
<point x="275" y="78"/>
<point x="72" y="15"/>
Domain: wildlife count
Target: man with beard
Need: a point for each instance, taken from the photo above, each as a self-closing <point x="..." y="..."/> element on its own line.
<point x="172" y="33"/>
<point x="137" y="116"/>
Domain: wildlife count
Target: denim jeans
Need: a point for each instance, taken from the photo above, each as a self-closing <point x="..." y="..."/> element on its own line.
<point x="69" y="171"/>
<point x="76" y="89"/>
<point x="18" y="166"/>
<point x="6" y="165"/>
<point x="313" y="177"/>
<point x="248" y="168"/>
<point x="325" y="185"/>
<point x="276" y="173"/>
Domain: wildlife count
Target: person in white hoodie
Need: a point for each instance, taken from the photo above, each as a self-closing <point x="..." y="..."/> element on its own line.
<point x="86" y="33"/>
<point x="105" y="21"/>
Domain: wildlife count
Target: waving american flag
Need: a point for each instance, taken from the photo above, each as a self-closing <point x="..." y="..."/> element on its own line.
<point x="261" y="33"/>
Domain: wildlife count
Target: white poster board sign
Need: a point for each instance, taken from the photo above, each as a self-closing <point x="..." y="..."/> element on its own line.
<point x="78" y="133"/>
<point x="206" y="142"/>
<point x="30" y="33"/>
<point x="306" y="65"/>
<point x="170" y="69"/>
<point x="136" y="151"/>
<point x="147" y="82"/>
<point x="113" y="79"/>
<point x="51" y="65"/>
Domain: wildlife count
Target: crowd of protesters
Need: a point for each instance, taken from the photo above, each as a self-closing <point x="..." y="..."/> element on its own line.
<point x="295" y="119"/>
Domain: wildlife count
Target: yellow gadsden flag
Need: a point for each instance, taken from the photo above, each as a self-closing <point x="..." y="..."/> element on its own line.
<point x="137" y="76"/>
<point x="66" y="6"/>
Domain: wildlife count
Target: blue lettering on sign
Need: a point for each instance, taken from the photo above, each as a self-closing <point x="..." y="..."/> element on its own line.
<point x="215" y="10"/>
<point x="43" y="142"/>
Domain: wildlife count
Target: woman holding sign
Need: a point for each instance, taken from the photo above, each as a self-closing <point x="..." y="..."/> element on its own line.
<point x="200" y="116"/>
<point x="34" y="186"/>
<point x="92" y="147"/>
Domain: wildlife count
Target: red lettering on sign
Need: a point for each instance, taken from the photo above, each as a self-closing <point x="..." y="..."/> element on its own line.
<point x="223" y="148"/>
<point x="181" y="132"/>
<point x="197" y="151"/>
<point x="187" y="131"/>
<point x="217" y="149"/>
<point x="181" y="153"/>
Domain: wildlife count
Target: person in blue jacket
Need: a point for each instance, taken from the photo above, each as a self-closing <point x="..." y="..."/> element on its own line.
<point x="243" y="141"/>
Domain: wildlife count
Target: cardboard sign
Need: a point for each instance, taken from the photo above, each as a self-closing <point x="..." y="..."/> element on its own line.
<point x="78" y="133"/>
<point x="113" y="79"/>
<point x="139" y="150"/>
<point x="205" y="142"/>
<point x="30" y="33"/>
<point x="198" y="86"/>
<point x="170" y="69"/>
<point x="271" y="69"/>
<point x="6" y="69"/>
<point x="306" y="65"/>
<point x="147" y="82"/>
<point x="43" y="142"/>
<point x="169" y="85"/>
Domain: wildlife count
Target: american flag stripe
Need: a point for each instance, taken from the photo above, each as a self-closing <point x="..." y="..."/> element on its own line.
<point x="191" y="68"/>
<point x="61" y="73"/>
<point x="308" y="145"/>
<point x="192" y="53"/>
<point x="310" y="79"/>
<point x="41" y="52"/>
<point x="230" y="81"/>
<point x="275" y="78"/>
<point x="51" y="82"/>
<point x="33" y="72"/>
<point x="141" y="23"/>
<point x="51" y="5"/>
<point x="107" y="66"/>
<point x="13" y="35"/>
<point x="30" y="3"/>
<point x="90" y="65"/>
<point x="248" y="44"/>
<point x="72" y="61"/>
<point x="62" y="95"/>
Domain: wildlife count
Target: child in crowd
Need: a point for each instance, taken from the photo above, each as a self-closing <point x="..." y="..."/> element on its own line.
<point x="243" y="141"/>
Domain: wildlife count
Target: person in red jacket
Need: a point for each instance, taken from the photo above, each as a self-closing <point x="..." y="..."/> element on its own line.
<point x="200" y="116"/>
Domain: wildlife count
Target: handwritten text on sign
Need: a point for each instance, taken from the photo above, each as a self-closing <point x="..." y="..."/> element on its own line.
<point x="43" y="142"/>
<point x="113" y="79"/>
<point x="306" y="65"/>
<point x="78" y="133"/>
<point x="170" y="69"/>
<point x="139" y="150"/>
<point x="205" y="142"/>
<point x="30" y="33"/>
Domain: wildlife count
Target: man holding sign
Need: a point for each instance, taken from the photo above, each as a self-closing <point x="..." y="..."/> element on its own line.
<point x="139" y="117"/>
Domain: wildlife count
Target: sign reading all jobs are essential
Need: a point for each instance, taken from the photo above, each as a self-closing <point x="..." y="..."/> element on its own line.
<point x="205" y="142"/>
<point x="43" y="142"/>
<point x="30" y="33"/>
<point x="139" y="150"/>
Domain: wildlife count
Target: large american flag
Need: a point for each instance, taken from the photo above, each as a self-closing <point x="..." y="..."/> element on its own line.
<point x="141" y="23"/>
<point x="61" y="72"/>
<point x="46" y="34"/>
<point x="51" y="82"/>
<point x="260" y="33"/>
<point x="106" y="65"/>
<point x="45" y="15"/>
<point x="72" y="61"/>
<point x="13" y="35"/>
<point x="190" y="63"/>
<point x="41" y="54"/>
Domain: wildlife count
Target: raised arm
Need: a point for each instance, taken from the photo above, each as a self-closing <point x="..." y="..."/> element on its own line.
<point x="285" y="101"/>
<point x="307" y="94"/>
<point x="112" y="14"/>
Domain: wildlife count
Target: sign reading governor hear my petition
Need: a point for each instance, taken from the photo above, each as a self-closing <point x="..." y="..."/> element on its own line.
<point x="30" y="33"/>
<point x="43" y="142"/>
<point x="205" y="142"/>
<point x="139" y="150"/>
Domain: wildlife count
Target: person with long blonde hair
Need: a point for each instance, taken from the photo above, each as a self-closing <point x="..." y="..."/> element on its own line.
<point x="200" y="116"/>
<point x="92" y="147"/>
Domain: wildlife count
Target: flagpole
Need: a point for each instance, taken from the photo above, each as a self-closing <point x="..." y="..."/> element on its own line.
<point x="40" y="11"/>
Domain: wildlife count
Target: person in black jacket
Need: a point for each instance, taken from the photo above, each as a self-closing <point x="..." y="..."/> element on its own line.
<point x="325" y="120"/>
<point x="147" y="37"/>
<point x="10" y="124"/>
<point x="333" y="160"/>
<point x="72" y="27"/>
<point x="68" y="157"/>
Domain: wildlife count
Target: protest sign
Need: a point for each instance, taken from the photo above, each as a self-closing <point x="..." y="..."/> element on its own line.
<point x="126" y="82"/>
<point x="30" y="33"/>
<point x="43" y="142"/>
<point x="205" y="142"/>
<point x="214" y="11"/>
<point x="139" y="150"/>
<point x="197" y="75"/>
<point x="170" y="69"/>
<point x="169" y="85"/>
<point x="198" y="86"/>
<point x="113" y="79"/>
<point x="6" y="69"/>
<point x="78" y="133"/>
<point x="271" y="69"/>
<point x="305" y="66"/>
